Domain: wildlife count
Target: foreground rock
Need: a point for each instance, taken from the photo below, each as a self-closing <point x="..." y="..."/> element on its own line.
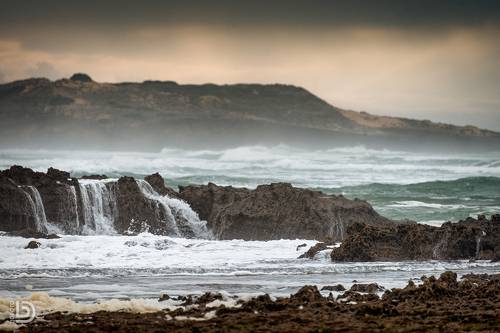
<point x="468" y="239"/>
<point x="441" y="304"/>
<point x="277" y="211"/>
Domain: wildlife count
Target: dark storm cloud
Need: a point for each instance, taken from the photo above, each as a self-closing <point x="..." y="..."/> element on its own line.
<point x="421" y="14"/>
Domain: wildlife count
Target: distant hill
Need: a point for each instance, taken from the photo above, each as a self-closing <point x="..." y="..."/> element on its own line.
<point x="84" y="114"/>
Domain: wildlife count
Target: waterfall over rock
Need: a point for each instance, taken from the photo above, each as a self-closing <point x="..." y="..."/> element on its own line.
<point x="36" y="203"/>
<point x="98" y="206"/>
<point x="55" y="202"/>
<point x="178" y="215"/>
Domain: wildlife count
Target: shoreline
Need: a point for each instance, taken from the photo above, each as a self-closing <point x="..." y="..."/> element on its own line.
<point x="445" y="303"/>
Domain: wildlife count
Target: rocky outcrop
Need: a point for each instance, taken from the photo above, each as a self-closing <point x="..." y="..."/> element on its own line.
<point x="33" y="245"/>
<point x="468" y="239"/>
<point x="36" y="201"/>
<point x="313" y="250"/>
<point x="16" y="211"/>
<point x="30" y="233"/>
<point x="277" y="211"/>
<point x="136" y="213"/>
<point x="94" y="177"/>
<point x="158" y="184"/>
<point x="57" y="191"/>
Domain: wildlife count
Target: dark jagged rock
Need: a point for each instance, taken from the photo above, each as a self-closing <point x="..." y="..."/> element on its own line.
<point x="301" y="246"/>
<point x="276" y="211"/>
<point x="307" y="294"/>
<point x="366" y="288"/>
<point x="33" y="245"/>
<point x="80" y="77"/>
<point x="354" y="296"/>
<point x="16" y="212"/>
<point x="437" y="305"/>
<point x="314" y="250"/>
<point x="209" y="200"/>
<point x="95" y="177"/>
<point x="58" y="175"/>
<point x="30" y="233"/>
<point x="56" y="189"/>
<point x="158" y="184"/>
<point x="467" y="239"/>
<point x="208" y="297"/>
<point x="496" y="256"/>
<point x="337" y="287"/>
<point x="136" y="213"/>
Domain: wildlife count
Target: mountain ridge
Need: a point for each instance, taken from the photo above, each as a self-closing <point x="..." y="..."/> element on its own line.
<point x="79" y="108"/>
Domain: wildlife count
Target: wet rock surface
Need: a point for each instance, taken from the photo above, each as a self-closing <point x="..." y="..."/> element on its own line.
<point x="442" y="304"/>
<point x="16" y="212"/>
<point x="467" y="239"/>
<point x="33" y="245"/>
<point x="337" y="287"/>
<point x="94" y="177"/>
<point x="136" y="213"/>
<point x="313" y="250"/>
<point x="277" y="211"/>
<point x="55" y="188"/>
<point x="158" y="184"/>
<point x="274" y="211"/>
<point x="30" y="233"/>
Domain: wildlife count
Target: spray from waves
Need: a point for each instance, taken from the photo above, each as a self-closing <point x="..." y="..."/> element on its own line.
<point x="252" y="165"/>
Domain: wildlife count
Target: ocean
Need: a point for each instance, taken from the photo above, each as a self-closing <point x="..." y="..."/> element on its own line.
<point x="425" y="188"/>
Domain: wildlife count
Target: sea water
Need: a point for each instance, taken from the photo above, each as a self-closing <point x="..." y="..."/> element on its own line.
<point x="422" y="187"/>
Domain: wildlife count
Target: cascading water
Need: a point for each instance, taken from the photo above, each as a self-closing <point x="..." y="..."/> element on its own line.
<point x="179" y="216"/>
<point x="36" y="204"/>
<point x="99" y="207"/>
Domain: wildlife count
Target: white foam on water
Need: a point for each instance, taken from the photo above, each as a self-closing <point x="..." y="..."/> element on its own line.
<point x="413" y="204"/>
<point x="252" y="165"/>
<point x="102" y="255"/>
<point x="45" y="304"/>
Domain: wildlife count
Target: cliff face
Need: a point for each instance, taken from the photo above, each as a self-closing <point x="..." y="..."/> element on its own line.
<point x="80" y="112"/>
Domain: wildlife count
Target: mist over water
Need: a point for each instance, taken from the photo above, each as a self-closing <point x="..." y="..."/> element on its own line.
<point x="423" y="187"/>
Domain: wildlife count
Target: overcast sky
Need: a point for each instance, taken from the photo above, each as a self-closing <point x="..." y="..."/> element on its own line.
<point x="437" y="60"/>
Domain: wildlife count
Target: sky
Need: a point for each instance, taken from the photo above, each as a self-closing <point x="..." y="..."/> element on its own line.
<point x="437" y="60"/>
